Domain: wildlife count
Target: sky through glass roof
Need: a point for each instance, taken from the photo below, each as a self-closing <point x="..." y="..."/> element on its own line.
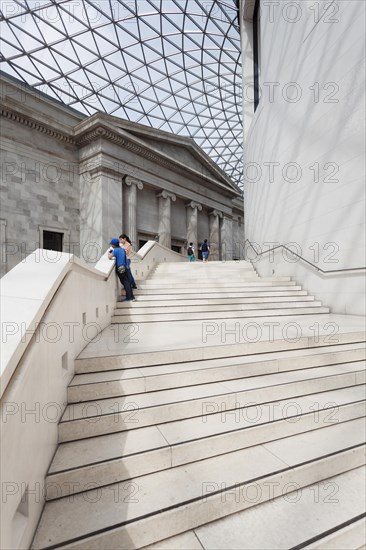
<point x="169" y="64"/>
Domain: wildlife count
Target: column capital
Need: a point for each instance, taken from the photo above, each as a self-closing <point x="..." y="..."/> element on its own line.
<point x="194" y="205"/>
<point x="133" y="181"/>
<point x="166" y="195"/>
<point x="216" y="213"/>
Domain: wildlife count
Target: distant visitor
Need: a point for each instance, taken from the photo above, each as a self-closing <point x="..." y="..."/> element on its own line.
<point x="190" y="252"/>
<point x="205" y="250"/>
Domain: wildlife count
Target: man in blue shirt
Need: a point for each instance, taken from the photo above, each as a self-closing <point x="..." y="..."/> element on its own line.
<point x="121" y="268"/>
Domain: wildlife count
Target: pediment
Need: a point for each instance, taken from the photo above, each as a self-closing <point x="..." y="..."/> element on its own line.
<point x="179" y="148"/>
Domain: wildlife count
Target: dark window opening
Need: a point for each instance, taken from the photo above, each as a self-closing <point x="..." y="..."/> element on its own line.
<point x="256" y="49"/>
<point x="53" y="240"/>
<point x="177" y="249"/>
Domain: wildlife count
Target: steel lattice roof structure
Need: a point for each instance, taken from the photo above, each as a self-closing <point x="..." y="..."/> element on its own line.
<point x="169" y="64"/>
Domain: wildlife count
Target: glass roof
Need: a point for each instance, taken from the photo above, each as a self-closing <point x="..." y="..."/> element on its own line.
<point x="169" y="64"/>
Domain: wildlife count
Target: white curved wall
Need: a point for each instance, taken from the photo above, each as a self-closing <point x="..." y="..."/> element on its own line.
<point x="304" y="146"/>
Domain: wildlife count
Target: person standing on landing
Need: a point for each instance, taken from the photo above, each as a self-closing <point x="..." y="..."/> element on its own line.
<point x="119" y="254"/>
<point x="205" y="249"/>
<point x="127" y="245"/>
<point x="190" y="252"/>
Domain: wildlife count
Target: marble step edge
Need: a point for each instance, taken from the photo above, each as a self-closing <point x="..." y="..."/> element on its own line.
<point x="211" y="274"/>
<point x="186" y="269"/>
<point x="71" y="428"/>
<point x="200" y="266"/>
<point x="340" y="536"/>
<point x="212" y="287"/>
<point x="162" y="310"/>
<point x="144" y="359"/>
<point x="89" y="391"/>
<point x="323" y="403"/>
<point x="148" y="529"/>
<point x="217" y="290"/>
<point x="120" y="468"/>
<point x="218" y="295"/>
<point x="218" y="388"/>
<point x="233" y="283"/>
<point x="182" y="317"/>
<point x="349" y="534"/>
<point x="216" y="302"/>
<point x="215" y="274"/>
<point x="326" y="355"/>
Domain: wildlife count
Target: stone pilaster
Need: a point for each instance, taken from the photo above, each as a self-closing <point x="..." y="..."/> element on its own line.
<point x="226" y="238"/>
<point x="100" y="212"/>
<point x="192" y="209"/>
<point x="214" y="237"/>
<point x="165" y="207"/>
<point x="130" y="227"/>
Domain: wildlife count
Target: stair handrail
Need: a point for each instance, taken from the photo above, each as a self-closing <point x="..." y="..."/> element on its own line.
<point x="324" y="271"/>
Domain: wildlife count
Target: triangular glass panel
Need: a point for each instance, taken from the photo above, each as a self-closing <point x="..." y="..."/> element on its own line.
<point x="97" y="82"/>
<point x="84" y="55"/>
<point x="97" y="13"/>
<point x="131" y="114"/>
<point x="73" y="17"/>
<point x="116" y="59"/>
<point x="29" y="26"/>
<point x="98" y="69"/>
<point x="45" y="57"/>
<point x="30" y="77"/>
<point x="8" y="51"/>
<point x="108" y="105"/>
<point x="8" y="69"/>
<point x="148" y="32"/>
<point x="64" y="62"/>
<point x="104" y="46"/>
<point x="27" y="42"/>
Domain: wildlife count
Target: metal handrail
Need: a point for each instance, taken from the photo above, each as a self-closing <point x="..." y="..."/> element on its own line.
<point x="345" y="270"/>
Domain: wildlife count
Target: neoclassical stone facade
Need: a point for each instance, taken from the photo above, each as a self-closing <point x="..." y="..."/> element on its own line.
<point x="78" y="181"/>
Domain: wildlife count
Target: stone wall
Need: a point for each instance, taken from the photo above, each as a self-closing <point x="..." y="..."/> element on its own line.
<point x="91" y="178"/>
<point x="39" y="190"/>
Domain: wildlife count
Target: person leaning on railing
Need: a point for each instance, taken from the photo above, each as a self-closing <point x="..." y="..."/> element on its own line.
<point x="127" y="245"/>
<point x="119" y="254"/>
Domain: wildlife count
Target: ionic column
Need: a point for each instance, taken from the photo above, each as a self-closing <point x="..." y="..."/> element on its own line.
<point x="165" y="207"/>
<point x="214" y="238"/>
<point x="192" y="209"/>
<point x="131" y="210"/>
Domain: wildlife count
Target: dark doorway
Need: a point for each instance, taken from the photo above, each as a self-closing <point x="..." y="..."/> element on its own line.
<point x="53" y="240"/>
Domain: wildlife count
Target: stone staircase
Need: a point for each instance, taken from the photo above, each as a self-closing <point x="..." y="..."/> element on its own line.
<point x="254" y="445"/>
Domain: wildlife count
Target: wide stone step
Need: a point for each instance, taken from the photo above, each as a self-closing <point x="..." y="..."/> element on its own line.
<point x="102" y="416"/>
<point x="211" y="305"/>
<point x="224" y="288"/>
<point x="116" y="457"/>
<point x="86" y="387"/>
<point x="279" y="341"/>
<point x="207" y="297"/>
<point x="157" y="282"/>
<point x="186" y="268"/>
<point x="250" y="313"/>
<point x="135" y="513"/>
<point x="206" y="266"/>
<point x="198" y="270"/>
<point x="191" y="279"/>
<point x="343" y="495"/>
<point x="164" y="309"/>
